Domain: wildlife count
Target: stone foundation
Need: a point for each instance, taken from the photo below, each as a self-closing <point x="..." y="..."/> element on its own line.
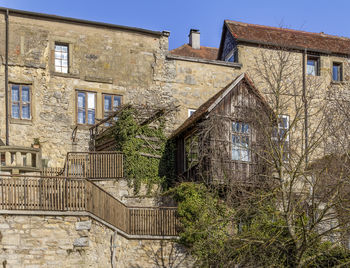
<point x="67" y="241"/>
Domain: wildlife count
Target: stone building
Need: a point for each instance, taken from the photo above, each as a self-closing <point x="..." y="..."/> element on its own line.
<point x="63" y="75"/>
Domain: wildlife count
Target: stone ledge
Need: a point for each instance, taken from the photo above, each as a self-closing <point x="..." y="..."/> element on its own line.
<point x="198" y="60"/>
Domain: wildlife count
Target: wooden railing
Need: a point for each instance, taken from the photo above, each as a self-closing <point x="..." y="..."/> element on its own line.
<point x="90" y="165"/>
<point x="94" y="165"/>
<point x="153" y="221"/>
<point x="46" y="193"/>
<point x="105" y="206"/>
<point x="71" y="194"/>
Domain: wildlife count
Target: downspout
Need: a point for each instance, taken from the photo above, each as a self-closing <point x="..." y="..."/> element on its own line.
<point x="6" y="76"/>
<point x="306" y="131"/>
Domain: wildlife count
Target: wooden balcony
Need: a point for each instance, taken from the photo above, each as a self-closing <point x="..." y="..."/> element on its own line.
<point x="16" y="159"/>
<point x="47" y="194"/>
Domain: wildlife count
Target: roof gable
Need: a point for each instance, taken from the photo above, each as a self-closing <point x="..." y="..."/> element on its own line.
<point x="214" y="101"/>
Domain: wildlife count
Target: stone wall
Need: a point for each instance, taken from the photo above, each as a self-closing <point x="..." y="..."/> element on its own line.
<point x="128" y="63"/>
<point x="102" y="60"/>
<point x="67" y="241"/>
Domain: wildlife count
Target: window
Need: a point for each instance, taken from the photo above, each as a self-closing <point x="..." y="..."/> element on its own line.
<point x="337" y="71"/>
<point x="20" y="102"/>
<point x="190" y="112"/>
<point x="61" y="58"/>
<point x="281" y="135"/>
<point x="110" y="104"/>
<point x="240" y="135"/>
<point x="313" y="66"/>
<point x="232" y="56"/>
<point x="86" y="105"/>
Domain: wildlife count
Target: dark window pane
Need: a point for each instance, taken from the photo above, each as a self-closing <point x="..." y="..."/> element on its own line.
<point x="25" y="94"/>
<point x="91" y="117"/>
<point x="15" y="93"/>
<point x="108" y="102"/>
<point x="81" y="116"/>
<point x="117" y="101"/>
<point x="26" y="111"/>
<point x="81" y="100"/>
<point x="15" y="110"/>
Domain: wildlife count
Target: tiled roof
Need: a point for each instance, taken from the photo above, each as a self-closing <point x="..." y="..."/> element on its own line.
<point x="288" y="37"/>
<point x="207" y="106"/>
<point x="208" y="53"/>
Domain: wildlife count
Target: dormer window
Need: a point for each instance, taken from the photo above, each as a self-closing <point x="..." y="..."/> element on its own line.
<point x="232" y="56"/>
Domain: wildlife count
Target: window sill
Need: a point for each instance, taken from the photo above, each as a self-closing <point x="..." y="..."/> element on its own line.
<point x="333" y="82"/>
<point x="21" y="121"/>
<point x="84" y="127"/>
<point x="67" y="75"/>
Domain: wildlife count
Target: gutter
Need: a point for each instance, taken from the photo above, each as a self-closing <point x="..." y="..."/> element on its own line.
<point x="81" y="21"/>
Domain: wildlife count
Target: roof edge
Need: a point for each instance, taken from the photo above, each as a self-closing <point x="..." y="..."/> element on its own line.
<point x="82" y="21"/>
<point x="223" y="95"/>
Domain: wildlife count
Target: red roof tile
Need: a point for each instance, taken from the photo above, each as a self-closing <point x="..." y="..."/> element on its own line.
<point x="288" y="37"/>
<point x="208" y="53"/>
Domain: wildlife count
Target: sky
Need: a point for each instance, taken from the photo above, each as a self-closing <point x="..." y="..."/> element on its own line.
<point x="179" y="16"/>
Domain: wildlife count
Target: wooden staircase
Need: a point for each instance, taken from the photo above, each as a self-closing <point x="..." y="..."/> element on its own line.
<point x="49" y="194"/>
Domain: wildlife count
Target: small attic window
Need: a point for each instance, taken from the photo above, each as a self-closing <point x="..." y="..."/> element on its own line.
<point x="232" y="56"/>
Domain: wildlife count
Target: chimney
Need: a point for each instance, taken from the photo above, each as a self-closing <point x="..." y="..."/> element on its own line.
<point x="194" y="39"/>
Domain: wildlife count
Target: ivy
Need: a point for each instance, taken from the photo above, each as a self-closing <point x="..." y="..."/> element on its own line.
<point x="145" y="148"/>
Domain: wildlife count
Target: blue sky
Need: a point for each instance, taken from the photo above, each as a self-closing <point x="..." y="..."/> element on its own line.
<point x="178" y="16"/>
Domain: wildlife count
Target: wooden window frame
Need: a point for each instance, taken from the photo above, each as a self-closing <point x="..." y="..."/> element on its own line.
<point x="68" y="52"/>
<point x="21" y="102"/>
<point x="103" y="101"/>
<point x="86" y="107"/>
<point x="340" y="73"/>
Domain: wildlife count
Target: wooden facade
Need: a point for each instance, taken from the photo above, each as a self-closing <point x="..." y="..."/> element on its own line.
<point x="223" y="140"/>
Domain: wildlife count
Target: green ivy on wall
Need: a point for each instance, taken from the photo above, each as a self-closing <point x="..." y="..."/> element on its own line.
<point x="147" y="158"/>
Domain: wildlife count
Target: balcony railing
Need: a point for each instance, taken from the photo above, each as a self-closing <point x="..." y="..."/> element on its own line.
<point x="16" y="159"/>
<point x="91" y="165"/>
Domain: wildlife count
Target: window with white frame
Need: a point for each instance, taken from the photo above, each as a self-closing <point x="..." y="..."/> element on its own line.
<point x="240" y="135"/>
<point x="61" y="58"/>
<point x="86" y="106"/>
<point x="191" y="112"/>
